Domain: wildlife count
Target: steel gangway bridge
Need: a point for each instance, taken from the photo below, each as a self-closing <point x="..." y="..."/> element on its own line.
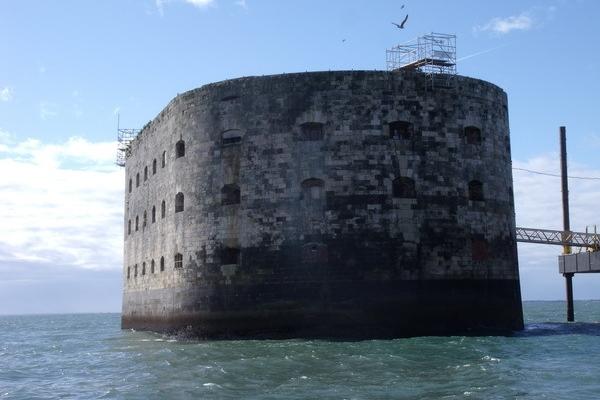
<point x="585" y="240"/>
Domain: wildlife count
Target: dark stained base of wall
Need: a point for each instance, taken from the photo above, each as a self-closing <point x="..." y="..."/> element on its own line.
<point x="346" y="310"/>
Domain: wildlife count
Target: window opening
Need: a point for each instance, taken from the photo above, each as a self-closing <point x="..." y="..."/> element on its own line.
<point x="178" y="260"/>
<point x="179" y="200"/>
<point x="230" y="255"/>
<point x="404" y="187"/>
<point x="230" y="194"/>
<point x="179" y="149"/>
<point x="231" y="136"/>
<point x="401" y="129"/>
<point x="476" y="191"/>
<point x="473" y="135"/>
<point x="312" y="130"/>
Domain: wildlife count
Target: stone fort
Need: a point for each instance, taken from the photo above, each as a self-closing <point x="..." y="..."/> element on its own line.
<point x="349" y="204"/>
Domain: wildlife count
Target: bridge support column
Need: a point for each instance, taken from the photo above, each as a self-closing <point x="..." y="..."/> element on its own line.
<point x="566" y="223"/>
<point x="570" y="307"/>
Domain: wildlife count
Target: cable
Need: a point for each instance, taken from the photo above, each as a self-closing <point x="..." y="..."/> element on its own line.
<point x="556" y="175"/>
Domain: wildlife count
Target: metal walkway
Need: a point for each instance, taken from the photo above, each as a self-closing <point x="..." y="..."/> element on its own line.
<point x="560" y="238"/>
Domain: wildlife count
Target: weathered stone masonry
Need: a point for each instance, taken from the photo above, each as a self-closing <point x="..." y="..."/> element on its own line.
<point x="332" y="204"/>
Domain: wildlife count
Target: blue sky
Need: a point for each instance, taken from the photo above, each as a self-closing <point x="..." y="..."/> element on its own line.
<point x="69" y="67"/>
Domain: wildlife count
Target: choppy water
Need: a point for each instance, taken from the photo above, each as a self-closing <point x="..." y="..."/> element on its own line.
<point x="88" y="356"/>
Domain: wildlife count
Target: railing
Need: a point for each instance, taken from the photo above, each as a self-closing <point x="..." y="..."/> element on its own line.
<point x="560" y="238"/>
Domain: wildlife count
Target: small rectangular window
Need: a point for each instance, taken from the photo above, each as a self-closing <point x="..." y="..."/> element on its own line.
<point x="312" y="131"/>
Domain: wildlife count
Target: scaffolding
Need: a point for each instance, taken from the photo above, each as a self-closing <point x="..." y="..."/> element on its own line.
<point x="124" y="139"/>
<point x="433" y="54"/>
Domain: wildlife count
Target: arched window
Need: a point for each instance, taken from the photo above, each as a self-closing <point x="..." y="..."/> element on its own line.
<point x="135" y="270"/>
<point x="145" y="173"/>
<point x="144" y="268"/>
<point x="136" y="223"/>
<point x="404" y="188"/>
<point x="163" y="209"/>
<point x="152" y="266"/>
<point x="130" y="185"/>
<point x="179" y="200"/>
<point x="473" y="135"/>
<point x="163" y="160"/>
<point x="162" y="264"/>
<point x="137" y="179"/>
<point x="313" y="253"/>
<point x="232" y="136"/>
<point x="312" y="131"/>
<point x="230" y="194"/>
<point x="153" y="214"/>
<point x="129" y="227"/>
<point x="179" y="149"/>
<point x="230" y="255"/>
<point x="401" y="129"/>
<point x="145" y="219"/>
<point x="312" y="189"/>
<point x="128" y="272"/>
<point x="178" y="260"/>
<point x="154" y="167"/>
<point x="476" y="191"/>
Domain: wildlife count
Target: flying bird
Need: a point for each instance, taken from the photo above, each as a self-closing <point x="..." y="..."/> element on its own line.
<point x="401" y="25"/>
<point x="402" y="6"/>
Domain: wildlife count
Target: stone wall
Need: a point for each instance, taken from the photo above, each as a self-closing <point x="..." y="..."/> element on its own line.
<point x="319" y="193"/>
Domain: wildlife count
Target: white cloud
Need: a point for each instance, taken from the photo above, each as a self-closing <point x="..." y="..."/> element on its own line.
<point x="538" y="204"/>
<point x="5" y="138"/>
<point x="522" y="22"/>
<point x="62" y="203"/>
<point x="538" y="197"/>
<point x="241" y="3"/>
<point x="6" y="94"/>
<point x="199" y="3"/>
<point x="160" y="4"/>
<point x="48" y="110"/>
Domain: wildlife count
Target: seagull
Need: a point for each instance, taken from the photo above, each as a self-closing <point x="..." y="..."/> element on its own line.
<point x="404" y="22"/>
<point x="343" y="40"/>
<point x="402" y="6"/>
<point x="401" y="26"/>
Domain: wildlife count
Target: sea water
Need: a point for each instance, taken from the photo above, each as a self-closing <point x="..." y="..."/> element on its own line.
<point x="88" y="356"/>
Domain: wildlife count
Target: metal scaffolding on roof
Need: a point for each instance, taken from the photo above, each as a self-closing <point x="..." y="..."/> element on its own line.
<point x="124" y="139"/>
<point x="433" y="54"/>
